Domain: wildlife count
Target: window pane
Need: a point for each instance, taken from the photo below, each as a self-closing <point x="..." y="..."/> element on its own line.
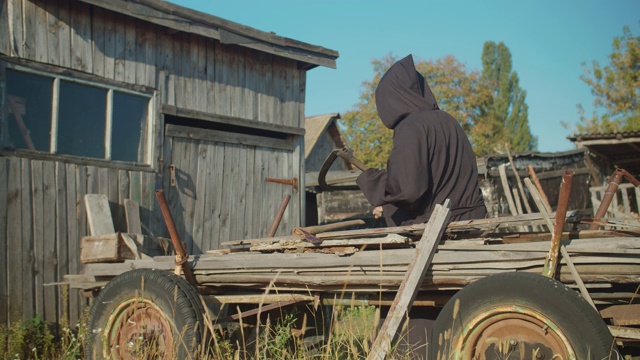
<point x="81" y="120"/>
<point x="29" y="108"/>
<point x="128" y="127"/>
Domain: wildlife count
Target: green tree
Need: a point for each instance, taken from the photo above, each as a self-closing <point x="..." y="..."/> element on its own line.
<point x="455" y="88"/>
<point x="506" y="108"/>
<point x="616" y="88"/>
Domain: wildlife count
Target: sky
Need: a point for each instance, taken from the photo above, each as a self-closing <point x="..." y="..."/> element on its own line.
<point x="549" y="42"/>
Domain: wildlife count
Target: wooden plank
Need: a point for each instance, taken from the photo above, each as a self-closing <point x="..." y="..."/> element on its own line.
<point x="250" y="184"/>
<point x="190" y="198"/>
<point x="76" y="303"/>
<point x="130" y="50"/>
<point x="98" y="32"/>
<point x="201" y="196"/>
<point x="62" y="224"/>
<point x="52" y="33"/>
<point x="81" y="44"/>
<point x="40" y="31"/>
<point x="240" y="197"/>
<point x="30" y="30"/>
<point x="5" y="41"/>
<point x="140" y="52"/>
<point x="49" y="233"/>
<point x="14" y="240"/>
<point x="150" y="56"/>
<point x="4" y="240"/>
<point x="408" y="290"/>
<point x="64" y="33"/>
<point x="28" y="261"/>
<point x="98" y="214"/>
<point x="216" y="196"/>
<point x="120" y="25"/>
<point x="226" y="204"/>
<point x="123" y="195"/>
<point x="132" y="211"/>
<point x="38" y="234"/>
<point x="583" y="289"/>
<point x="16" y="35"/>
<point x="207" y="190"/>
<point x="109" y="45"/>
<point x="507" y="189"/>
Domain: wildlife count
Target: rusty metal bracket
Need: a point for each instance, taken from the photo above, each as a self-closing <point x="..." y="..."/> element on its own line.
<point x="292" y="182"/>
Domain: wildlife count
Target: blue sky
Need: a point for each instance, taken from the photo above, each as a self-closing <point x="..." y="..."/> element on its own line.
<point x="548" y="40"/>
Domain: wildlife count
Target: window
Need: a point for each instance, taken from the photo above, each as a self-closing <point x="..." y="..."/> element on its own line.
<point x="65" y="116"/>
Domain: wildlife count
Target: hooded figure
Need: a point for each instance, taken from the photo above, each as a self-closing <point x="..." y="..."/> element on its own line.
<point x="432" y="159"/>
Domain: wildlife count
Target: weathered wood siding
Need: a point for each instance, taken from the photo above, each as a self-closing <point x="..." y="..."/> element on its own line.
<point x="43" y="218"/>
<point x="42" y="215"/>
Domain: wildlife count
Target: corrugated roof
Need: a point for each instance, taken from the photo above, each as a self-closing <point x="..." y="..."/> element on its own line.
<point x="187" y="20"/>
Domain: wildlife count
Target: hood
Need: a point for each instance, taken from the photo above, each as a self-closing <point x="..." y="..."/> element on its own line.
<point x="402" y="91"/>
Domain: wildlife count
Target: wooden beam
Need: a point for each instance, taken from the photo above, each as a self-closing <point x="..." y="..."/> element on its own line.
<point x="410" y="285"/>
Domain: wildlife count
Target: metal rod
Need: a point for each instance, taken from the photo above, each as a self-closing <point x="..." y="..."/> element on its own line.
<point x="551" y="262"/>
<point x="276" y="221"/>
<point x="181" y="257"/>
<point x="612" y="187"/>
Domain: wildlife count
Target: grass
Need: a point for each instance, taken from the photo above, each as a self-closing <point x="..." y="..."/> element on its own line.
<point x="352" y="331"/>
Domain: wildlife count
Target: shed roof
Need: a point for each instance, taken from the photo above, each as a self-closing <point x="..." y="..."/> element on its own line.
<point x="180" y="18"/>
<point x="316" y="125"/>
<point x="621" y="149"/>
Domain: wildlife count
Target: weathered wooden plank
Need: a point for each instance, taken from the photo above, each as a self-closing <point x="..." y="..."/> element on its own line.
<point x="123" y="194"/>
<point x="4" y="227"/>
<point x="81" y="44"/>
<point x="226" y="203"/>
<point x="30" y="29"/>
<point x="37" y="217"/>
<point x="64" y="33"/>
<point x="98" y="32"/>
<point x="28" y="261"/>
<point x="215" y="193"/>
<point x="50" y="241"/>
<point x="14" y="240"/>
<point x="189" y="197"/>
<point x="40" y="31"/>
<point x="98" y="214"/>
<point x="238" y="220"/>
<point x="81" y="183"/>
<point x="16" y="35"/>
<point x="150" y="56"/>
<point x="230" y="120"/>
<point x="109" y="44"/>
<point x="5" y="41"/>
<point x="62" y="250"/>
<point x="210" y="76"/>
<point x="258" y="226"/>
<point x="140" y="52"/>
<point x="201" y="196"/>
<point x="249" y="189"/>
<point x="206" y="190"/>
<point x="416" y="272"/>
<point x="198" y="76"/>
<point x="120" y="46"/>
<point x="117" y="211"/>
<point x="132" y="210"/>
<point x="177" y="81"/>
<point x="130" y="50"/>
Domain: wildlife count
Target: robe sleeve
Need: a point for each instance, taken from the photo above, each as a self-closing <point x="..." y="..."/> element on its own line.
<point x="406" y="179"/>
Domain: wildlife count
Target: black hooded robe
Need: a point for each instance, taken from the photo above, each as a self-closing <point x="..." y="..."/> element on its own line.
<point x="432" y="159"/>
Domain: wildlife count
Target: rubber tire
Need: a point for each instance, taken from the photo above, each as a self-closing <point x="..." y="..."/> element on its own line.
<point x="575" y="318"/>
<point x="174" y="296"/>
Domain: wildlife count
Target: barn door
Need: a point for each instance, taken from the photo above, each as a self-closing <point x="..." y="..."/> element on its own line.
<point x="215" y="185"/>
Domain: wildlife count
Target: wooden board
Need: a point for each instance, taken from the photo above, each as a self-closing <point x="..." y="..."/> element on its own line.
<point x="98" y="214"/>
<point x="104" y="248"/>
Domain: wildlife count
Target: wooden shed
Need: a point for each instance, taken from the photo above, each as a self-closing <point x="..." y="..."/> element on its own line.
<point x="122" y="98"/>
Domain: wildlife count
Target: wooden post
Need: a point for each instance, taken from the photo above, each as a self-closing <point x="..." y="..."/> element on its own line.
<point x="507" y="191"/>
<point x="410" y="285"/>
<point x="519" y="182"/>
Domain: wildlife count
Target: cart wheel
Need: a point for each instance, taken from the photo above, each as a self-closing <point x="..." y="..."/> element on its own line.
<point x="143" y="314"/>
<point x="519" y="316"/>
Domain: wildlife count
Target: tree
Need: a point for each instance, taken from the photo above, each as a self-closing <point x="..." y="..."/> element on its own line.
<point x="616" y="88"/>
<point x="506" y="110"/>
<point x="455" y="88"/>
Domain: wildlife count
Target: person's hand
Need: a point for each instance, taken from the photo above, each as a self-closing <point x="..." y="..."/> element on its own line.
<point x="377" y="212"/>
